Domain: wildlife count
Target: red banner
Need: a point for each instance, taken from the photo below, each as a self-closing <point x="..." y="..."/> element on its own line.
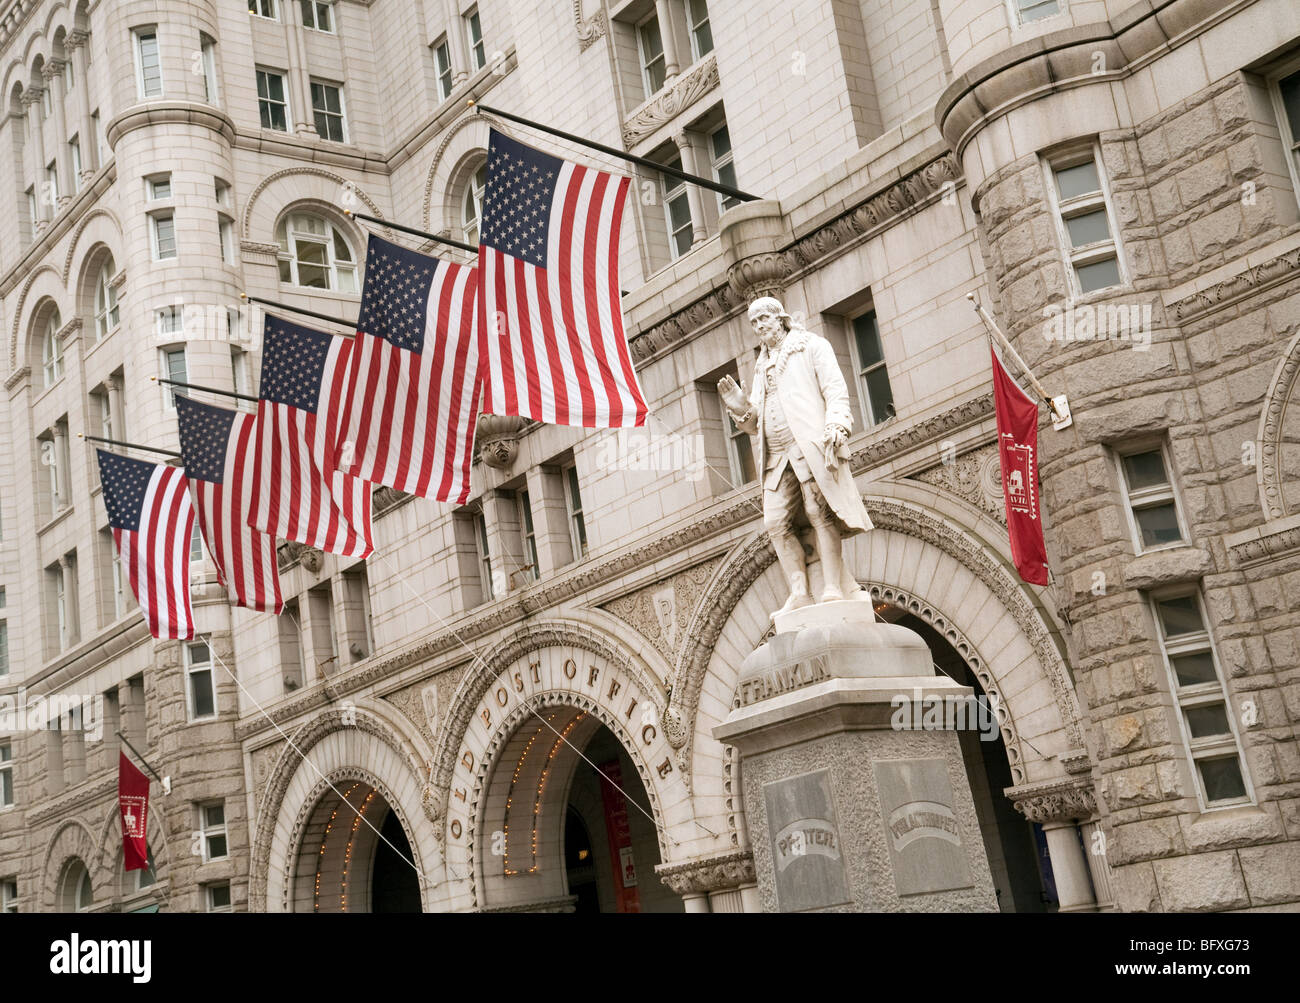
<point x="133" y="805"/>
<point x="1017" y="415"/>
<point x="619" y="833"/>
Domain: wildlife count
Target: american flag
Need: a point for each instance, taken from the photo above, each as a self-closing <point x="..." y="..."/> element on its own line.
<point x="301" y="495"/>
<point x="549" y="311"/>
<point x="218" y="448"/>
<point x="409" y="418"/>
<point x="152" y="519"/>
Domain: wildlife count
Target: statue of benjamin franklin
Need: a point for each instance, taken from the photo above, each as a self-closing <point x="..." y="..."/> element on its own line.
<point x="799" y="409"/>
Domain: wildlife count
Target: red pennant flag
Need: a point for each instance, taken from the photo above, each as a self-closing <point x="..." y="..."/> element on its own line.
<point x="133" y="805"/>
<point x="1017" y="415"/>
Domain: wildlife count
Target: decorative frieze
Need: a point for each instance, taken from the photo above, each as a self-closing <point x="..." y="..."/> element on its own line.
<point x="974" y="477"/>
<point x="671" y="101"/>
<point x="709" y="874"/>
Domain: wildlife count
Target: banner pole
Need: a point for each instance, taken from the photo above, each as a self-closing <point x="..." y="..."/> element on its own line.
<point x="302" y="310"/>
<point x="1059" y="406"/>
<point x="165" y="781"/>
<point x="210" y="390"/>
<point x="471" y="248"/>
<point x="130" y="445"/>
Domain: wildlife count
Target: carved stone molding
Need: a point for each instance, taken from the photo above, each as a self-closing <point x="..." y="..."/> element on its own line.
<point x="1061" y="800"/>
<point x="1269" y="542"/>
<point x="1253" y="279"/>
<point x="312" y="559"/>
<point x="712" y="306"/>
<point x="878" y="450"/>
<point x="371" y="206"/>
<point x="1281" y="395"/>
<point x="589" y="29"/>
<point x="497" y="439"/>
<point x="77" y="231"/>
<point x="709" y="874"/>
<point x="671" y="101"/>
<point x="975" y="477"/>
<point x="760" y="275"/>
<point x="659" y="611"/>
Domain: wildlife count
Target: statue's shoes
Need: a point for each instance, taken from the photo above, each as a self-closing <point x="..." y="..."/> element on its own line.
<point x="796" y="601"/>
<point x="831" y="594"/>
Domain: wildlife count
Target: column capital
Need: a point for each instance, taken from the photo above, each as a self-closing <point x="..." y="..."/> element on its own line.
<point x="75" y="39"/>
<point x="53" y="69"/>
<point x="1064" y="799"/>
<point x="113" y="383"/>
<point x="65" y="561"/>
<point x="709" y="874"/>
<point x="31" y="95"/>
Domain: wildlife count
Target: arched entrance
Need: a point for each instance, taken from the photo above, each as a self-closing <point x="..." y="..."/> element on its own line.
<point x="354" y="855"/>
<point x="566" y="822"/>
<point x="1009" y="839"/>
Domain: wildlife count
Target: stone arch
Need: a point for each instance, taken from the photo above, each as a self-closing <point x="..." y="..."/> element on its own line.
<point x="1012" y="647"/>
<point x="109" y="857"/>
<point x="1280" y="406"/>
<point x="73" y="839"/>
<point x="468" y="135"/>
<point x="44" y="288"/>
<point x="298" y="187"/>
<point x="390" y="762"/>
<point x="41" y="312"/>
<point x="104" y="227"/>
<point x="87" y="279"/>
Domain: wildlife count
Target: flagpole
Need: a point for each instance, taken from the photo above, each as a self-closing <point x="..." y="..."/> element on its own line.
<point x="130" y="445"/>
<point x="302" y="310"/>
<point x="1059" y="406"/>
<point x="632" y="158"/>
<point x="209" y="390"/>
<point x="471" y="248"/>
<point x="165" y="781"/>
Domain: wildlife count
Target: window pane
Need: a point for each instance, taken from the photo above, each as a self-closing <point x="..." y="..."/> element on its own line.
<point x="214" y="815"/>
<point x="880" y="395"/>
<point x="1180" y="616"/>
<point x="202" y="685"/>
<point x="1032" y="10"/>
<point x="219" y="896"/>
<point x="1222" y="778"/>
<point x="1088" y="228"/>
<point x="1290" y="87"/>
<point x="199" y="654"/>
<point x="721" y="143"/>
<point x="574" y="496"/>
<point x="1158" y="525"/>
<point x="1072" y="182"/>
<point x="1145" y="470"/>
<point x="1194" y="669"/>
<point x="6" y="787"/>
<point x="216" y="847"/>
<point x="868" y="338"/>
<point x="1098" y="275"/>
<point x="1203" y="722"/>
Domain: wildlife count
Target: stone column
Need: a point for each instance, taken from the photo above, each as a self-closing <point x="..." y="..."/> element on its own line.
<point x="855" y="789"/>
<point x="70" y="598"/>
<point x="77" y="43"/>
<point x="61" y="499"/>
<point x="36" y="142"/>
<point x="1057" y="805"/>
<point x="668" y="33"/>
<point x="457" y="43"/>
<point x="62" y="159"/>
<point x="304" y="123"/>
<point x="690" y="164"/>
<point x="115" y="414"/>
<point x="700" y="881"/>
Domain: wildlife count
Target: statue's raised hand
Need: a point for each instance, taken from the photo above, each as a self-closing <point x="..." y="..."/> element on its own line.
<point x="732" y="395"/>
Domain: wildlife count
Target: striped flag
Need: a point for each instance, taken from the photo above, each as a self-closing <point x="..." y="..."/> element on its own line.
<point x="301" y="495"/>
<point x="217" y="444"/>
<point x="152" y="519"/>
<point x="550" y="317"/>
<point x="410" y="413"/>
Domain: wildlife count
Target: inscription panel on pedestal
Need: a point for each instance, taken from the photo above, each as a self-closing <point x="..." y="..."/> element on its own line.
<point x="921" y="827"/>
<point x="802" y="829"/>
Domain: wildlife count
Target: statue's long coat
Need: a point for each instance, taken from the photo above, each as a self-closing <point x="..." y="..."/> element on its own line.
<point x="812" y="394"/>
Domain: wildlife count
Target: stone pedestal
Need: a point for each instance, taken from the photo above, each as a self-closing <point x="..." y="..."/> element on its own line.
<point x="855" y="790"/>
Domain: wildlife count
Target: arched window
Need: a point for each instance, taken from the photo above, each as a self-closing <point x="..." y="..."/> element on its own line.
<point x="76" y="894"/>
<point x="315" y="254"/>
<point x="52" y="350"/>
<point x="472" y="204"/>
<point x="106" y="312"/>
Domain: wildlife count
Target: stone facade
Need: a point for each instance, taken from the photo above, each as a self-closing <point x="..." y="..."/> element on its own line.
<point x="898" y="150"/>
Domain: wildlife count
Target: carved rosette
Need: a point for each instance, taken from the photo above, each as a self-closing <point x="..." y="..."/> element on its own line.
<point x="1064" y="800"/>
<point x="710" y="874"/>
<point x="498" y="439"/>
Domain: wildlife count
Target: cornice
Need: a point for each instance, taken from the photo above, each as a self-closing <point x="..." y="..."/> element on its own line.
<point x="142" y="116"/>
<point x="1064" y="799"/>
<point x="709" y="874"/>
<point x="1270" y="542"/>
<point x="1253" y="279"/>
<point x="13" y="18"/>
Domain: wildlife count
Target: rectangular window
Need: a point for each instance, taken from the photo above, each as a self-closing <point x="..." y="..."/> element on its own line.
<point x="33" y="213"/>
<point x="69" y="77"/>
<point x="263" y="8"/>
<point x="74" y="151"/>
<point x="218" y="897"/>
<point x="1286" y="99"/>
<point x="869" y="364"/>
<point x="474" y="32"/>
<point x="651" y="47"/>
<point x="196" y="544"/>
<point x="1207" y="720"/>
<point x="724" y="168"/>
<point x="740" y="452"/>
<point x="484" y="556"/>
<point x="238" y="369"/>
<point x="528" y="534"/>
<point x="1026" y="11"/>
<point x="1152" y="504"/>
<point x="158" y="187"/>
<point x="162" y="235"/>
<point x="226" y="236"/>
<point x="1085" y="223"/>
<point x="96" y="138"/>
<point x="212" y="826"/>
<point x="442" y="63"/>
<point x="6" y="775"/>
<point x="208" y="57"/>
<point x="8" y="895"/>
<point x="701" y="34"/>
<point x="272" y="102"/>
<point x="4" y="647"/>
<point x="327" y="109"/>
<point x="148" y="66"/>
<point x="317" y="15"/>
<point x="356" y="612"/>
<point x="677" y="210"/>
<point x="573" y="502"/>
<point x="221" y="191"/>
<point x="290" y="638"/>
<point x="172" y="365"/>
<point x="52" y="182"/>
<point x="199" y="685"/>
<point x="320" y="607"/>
